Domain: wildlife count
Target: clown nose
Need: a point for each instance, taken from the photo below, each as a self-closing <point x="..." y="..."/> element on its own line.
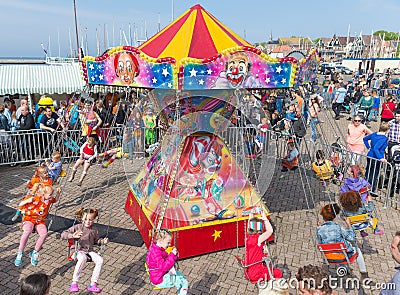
<point x="235" y="71"/>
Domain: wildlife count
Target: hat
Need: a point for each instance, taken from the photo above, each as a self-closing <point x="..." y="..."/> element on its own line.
<point x="256" y="225"/>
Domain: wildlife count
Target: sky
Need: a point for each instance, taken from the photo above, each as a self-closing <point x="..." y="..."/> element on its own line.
<point x="26" y="24"/>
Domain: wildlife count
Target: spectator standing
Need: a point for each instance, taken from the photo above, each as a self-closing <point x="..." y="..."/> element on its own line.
<point x="395" y="249"/>
<point x="355" y="135"/>
<point x="338" y="100"/>
<point x="49" y="122"/>
<point x="388" y="109"/>
<point x="24" y="102"/>
<point x="373" y="115"/>
<point x="27" y="144"/>
<point x="314" y="109"/>
<point x="394" y="132"/>
<point x="377" y="143"/>
<point x="4" y="124"/>
<point x="7" y="111"/>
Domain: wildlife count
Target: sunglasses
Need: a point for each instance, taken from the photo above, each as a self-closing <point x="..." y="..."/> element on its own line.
<point x="357" y="120"/>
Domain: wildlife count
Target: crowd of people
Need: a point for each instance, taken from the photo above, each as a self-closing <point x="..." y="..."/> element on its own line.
<point x="287" y="112"/>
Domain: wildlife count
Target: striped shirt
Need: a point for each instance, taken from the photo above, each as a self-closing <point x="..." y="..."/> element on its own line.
<point x="394" y="131"/>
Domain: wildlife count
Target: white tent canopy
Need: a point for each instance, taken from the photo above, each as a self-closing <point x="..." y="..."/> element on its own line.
<point x="42" y="79"/>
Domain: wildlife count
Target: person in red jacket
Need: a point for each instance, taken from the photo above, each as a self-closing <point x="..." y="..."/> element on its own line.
<point x="258" y="231"/>
<point x="161" y="264"/>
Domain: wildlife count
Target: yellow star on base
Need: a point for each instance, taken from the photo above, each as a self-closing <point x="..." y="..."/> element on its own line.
<point x="130" y="201"/>
<point x="216" y="234"/>
<point x="139" y="220"/>
<point x="149" y="233"/>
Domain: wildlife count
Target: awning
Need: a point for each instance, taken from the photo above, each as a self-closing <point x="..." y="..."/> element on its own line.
<point x="41" y="79"/>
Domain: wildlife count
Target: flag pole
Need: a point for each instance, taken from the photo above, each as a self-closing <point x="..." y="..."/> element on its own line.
<point x="76" y="33"/>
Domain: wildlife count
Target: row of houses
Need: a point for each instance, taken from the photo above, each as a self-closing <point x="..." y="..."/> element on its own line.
<point x="335" y="48"/>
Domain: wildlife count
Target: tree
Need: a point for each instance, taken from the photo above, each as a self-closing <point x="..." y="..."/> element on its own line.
<point x="387" y="35"/>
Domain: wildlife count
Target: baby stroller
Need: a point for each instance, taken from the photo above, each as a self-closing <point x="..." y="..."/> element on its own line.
<point x="363" y="113"/>
<point x="337" y="158"/>
<point x="395" y="161"/>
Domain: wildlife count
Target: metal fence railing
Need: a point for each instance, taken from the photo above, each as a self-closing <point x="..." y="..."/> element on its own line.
<point x="36" y="145"/>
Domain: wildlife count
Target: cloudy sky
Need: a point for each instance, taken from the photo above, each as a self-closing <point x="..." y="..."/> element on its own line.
<point x="26" y="24"/>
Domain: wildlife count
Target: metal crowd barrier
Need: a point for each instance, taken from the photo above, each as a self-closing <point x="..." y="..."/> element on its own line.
<point x="36" y="145"/>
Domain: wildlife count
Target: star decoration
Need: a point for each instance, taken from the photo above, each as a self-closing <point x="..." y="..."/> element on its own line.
<point x="267" y="80"/>
<point x="276" y="83"/>
<point x="201" y="81"/>
<point x="101" y="77"/>
<point x="91" y="67"/>
<point x="139" y="221"/>
<point x="169" y="85"/>
<point x="216" y="234"/>
<point x="93" y="78"/>
<point x="154" y="80"/>
<point x="209" y="71"/>
<point x="165" y="72"/>
<point x="130" y="202"/>
<point x="283" y="81"/>
<point x="193" y="73"/>
<point x="278" y="69"/>
<point x="285" y="69"/>
<point x="149" y="233"/>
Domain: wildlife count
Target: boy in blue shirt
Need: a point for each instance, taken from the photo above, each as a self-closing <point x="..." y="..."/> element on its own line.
<point x="375" y="107"/>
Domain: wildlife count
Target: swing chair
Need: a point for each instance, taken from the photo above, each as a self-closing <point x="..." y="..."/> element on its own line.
<point x="336" y="253"/>
<point x="363" y="222"/>
<point x="63" y="173"/>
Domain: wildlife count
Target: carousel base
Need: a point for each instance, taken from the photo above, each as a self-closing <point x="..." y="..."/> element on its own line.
<point x="192" y="240"/>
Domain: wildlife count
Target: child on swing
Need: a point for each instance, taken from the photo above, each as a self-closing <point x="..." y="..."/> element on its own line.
<point x="88" y="152"/>
<point x="41" y="176"/>
<point x="35" y="210"/>
<point x="55" y="166"/>
<point x="87" y="235"/>
<point x="291" y="161"/>
<point x="352" y="205"/>
<point x="161" y="264"/>
<point x="258" y="231"/>
<point x="322" y="167"/>
<point x="355" y="182"/>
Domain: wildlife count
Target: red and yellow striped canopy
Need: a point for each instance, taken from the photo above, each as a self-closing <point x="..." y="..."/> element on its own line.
<point x="196" y="34"/>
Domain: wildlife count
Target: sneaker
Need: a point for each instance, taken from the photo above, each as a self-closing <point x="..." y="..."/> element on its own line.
<point x="18" y="259"/>
<point x="284" y="169"/>
<point x="378" y="232"/>
<point x="17" y="214"/>
<point x="93" y="288"/>
<point x="34" y="257"/>
<point x="364" y="234"/>
<point x="74" y="288"/>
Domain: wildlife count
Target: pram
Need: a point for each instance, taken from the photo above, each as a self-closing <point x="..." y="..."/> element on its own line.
<point x="395" y="161"/>
<point x="338" y="154"/>
<point x="363" y="113"/>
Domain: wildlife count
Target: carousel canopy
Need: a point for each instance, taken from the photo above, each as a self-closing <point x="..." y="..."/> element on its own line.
<point x="196" y="34"/>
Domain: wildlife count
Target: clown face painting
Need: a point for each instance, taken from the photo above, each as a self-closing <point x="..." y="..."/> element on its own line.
<point x="237" y="69"/>
<point x="126" y="67"/>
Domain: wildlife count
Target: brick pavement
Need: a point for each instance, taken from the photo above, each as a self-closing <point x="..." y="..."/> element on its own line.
<point x="216" y="273"/>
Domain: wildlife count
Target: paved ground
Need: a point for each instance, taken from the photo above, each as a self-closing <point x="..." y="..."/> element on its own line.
<point x="216" y="273"/>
